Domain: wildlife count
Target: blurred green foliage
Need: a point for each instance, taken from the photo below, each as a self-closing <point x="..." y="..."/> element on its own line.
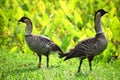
<point x="66" y="22"/>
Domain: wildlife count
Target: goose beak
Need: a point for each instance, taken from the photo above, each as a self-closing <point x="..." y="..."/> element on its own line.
<point x="106" y="12"/>
<point x="19" y="20"/>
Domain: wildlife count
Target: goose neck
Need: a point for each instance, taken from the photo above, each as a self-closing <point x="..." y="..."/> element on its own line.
<point x="98" y="27"/>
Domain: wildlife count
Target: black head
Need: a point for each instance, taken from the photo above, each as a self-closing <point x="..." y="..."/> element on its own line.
<point x="23" y="19"/>
<point x="101" y="11"/>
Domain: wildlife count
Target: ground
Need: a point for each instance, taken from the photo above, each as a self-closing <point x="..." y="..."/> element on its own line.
<point x="17" y="66"/>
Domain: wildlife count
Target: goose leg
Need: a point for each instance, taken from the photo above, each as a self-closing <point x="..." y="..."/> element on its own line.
<point x="39" y="65"/>
<point x="47" y="61"/>
<point x="90" y="65"/>
<point x="90" y="62"/>
<point x="80" y="65"/>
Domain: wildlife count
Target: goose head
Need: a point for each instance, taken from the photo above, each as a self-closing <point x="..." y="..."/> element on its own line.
<point x="24" y="20"/>
<point x="101" y="12"/>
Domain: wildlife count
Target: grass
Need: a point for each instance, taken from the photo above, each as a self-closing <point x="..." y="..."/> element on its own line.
<point x="19" y="66"/>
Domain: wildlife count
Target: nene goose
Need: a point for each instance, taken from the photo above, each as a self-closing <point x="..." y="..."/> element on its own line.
<point x="39" y="44"/>
<point x="91" y="47"/>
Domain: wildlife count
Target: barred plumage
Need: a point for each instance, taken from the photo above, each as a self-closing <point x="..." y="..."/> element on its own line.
<point x="38" y="43"/>
<point x="91" y="47"/>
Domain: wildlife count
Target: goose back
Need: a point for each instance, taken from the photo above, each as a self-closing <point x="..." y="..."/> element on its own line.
<point x="88" y="47"/>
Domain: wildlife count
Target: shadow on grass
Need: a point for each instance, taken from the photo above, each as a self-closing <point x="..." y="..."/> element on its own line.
<point x="54" y="66"/>
<point x="26" y="69"/>
<point x="18" y="70"/>
<point x="15" y="72"/>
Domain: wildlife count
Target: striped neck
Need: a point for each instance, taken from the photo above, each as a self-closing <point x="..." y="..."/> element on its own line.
<point x="28" y="29"/>
<point x="97" y="21"/>
<point x="28" y="35"/>
<point x="100" y="32"/>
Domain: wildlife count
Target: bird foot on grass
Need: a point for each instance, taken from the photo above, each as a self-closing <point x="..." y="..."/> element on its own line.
<point x="39" y="65"/>
<point x="78" y="71"/>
